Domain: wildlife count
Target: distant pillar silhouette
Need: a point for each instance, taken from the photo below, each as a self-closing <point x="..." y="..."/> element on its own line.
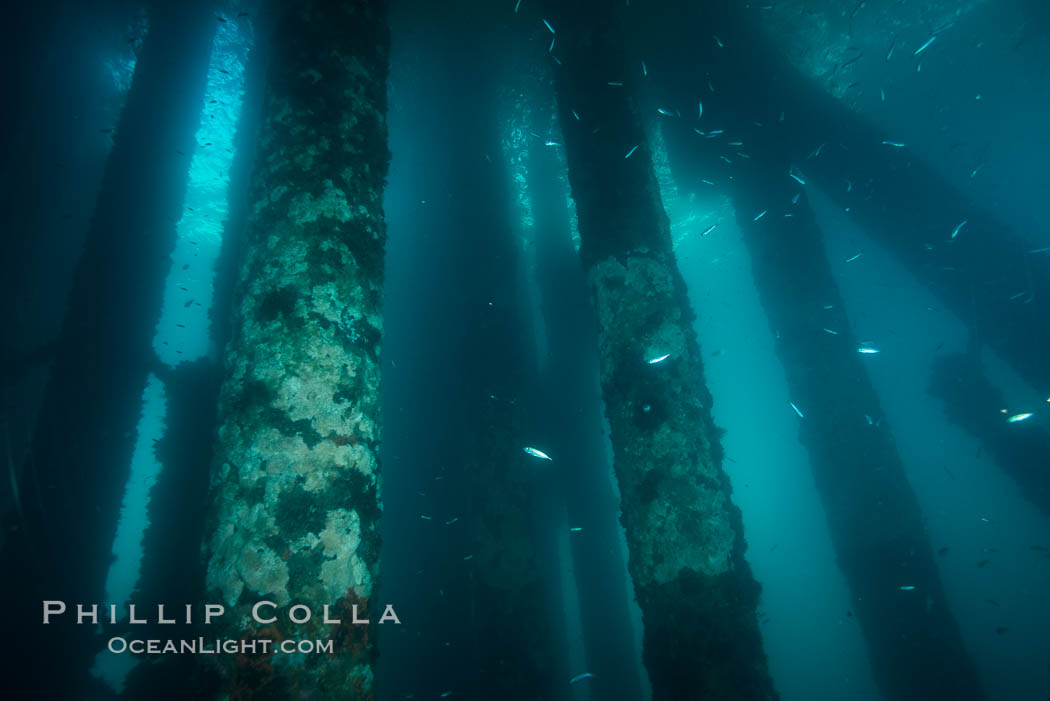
<point x="567" y="383"/>
<point x="85" y="433"/>
<point x="874" y="519"/>
<point x="974" y="404"/>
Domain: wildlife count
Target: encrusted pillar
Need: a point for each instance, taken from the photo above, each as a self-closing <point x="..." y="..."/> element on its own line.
<point x="295" y="483"/>
<point x="684" y="535"/>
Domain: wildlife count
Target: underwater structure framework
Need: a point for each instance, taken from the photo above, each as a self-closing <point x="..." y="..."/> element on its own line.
<point x="286" y="426"/>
